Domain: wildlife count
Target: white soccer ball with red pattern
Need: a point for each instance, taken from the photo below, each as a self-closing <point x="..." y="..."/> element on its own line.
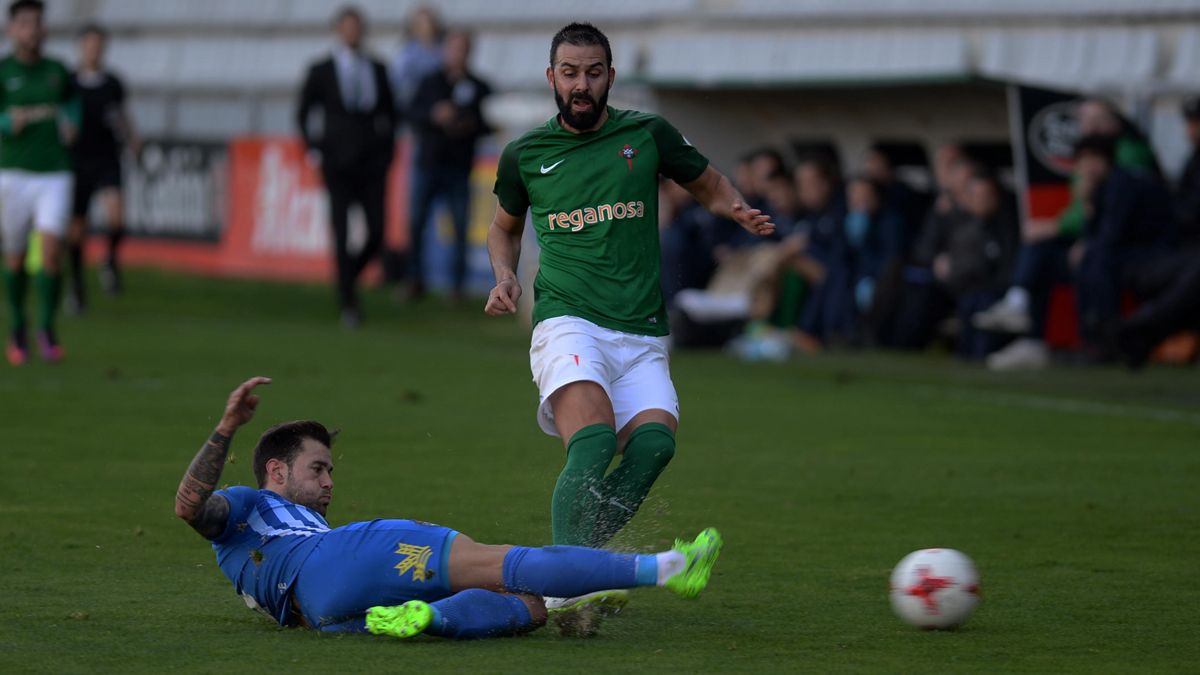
<point x="935" y="588"/>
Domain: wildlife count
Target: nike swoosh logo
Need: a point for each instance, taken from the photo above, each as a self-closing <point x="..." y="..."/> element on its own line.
<point x="548" y="169"/>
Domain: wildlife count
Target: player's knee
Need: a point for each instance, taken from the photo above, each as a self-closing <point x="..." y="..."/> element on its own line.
<point x="537" y="610"/>
<point x="652" y="444"/>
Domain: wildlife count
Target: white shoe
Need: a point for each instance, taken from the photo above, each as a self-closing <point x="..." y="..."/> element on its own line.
<point x="581" y="616"/>
<point x="1003" y="317"/>
<point x="1023" y="354"/>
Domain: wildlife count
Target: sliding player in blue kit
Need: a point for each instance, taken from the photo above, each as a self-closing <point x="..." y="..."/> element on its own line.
<point x="389" y="577"/>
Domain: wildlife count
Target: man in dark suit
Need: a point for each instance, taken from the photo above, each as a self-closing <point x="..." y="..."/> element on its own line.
<point x="353" y="147"/>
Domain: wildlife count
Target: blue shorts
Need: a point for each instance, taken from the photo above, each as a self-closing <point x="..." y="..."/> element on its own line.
<point x="380" y="562"/>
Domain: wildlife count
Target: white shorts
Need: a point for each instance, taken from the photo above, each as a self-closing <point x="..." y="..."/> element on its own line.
<point x="28" y="198"/>
<point x="633" y="369"/>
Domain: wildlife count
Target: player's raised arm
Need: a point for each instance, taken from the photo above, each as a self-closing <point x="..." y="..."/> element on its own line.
<point x="504" y="250"/>
<point x="717" y="194"/>
<point x="194" y="500"/>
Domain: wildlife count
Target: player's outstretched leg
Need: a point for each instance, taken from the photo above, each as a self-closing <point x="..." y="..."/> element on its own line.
<point x="567" y="571"/>
<point x="522" y="572"/>
<point x="474" y="613"/>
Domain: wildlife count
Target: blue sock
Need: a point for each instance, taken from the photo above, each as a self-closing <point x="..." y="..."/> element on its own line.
<point x="476" y="613"/>
<point x="567" y="571"/>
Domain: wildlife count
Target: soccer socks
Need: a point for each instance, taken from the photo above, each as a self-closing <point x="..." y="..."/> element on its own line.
<point x="575" y="507"/>
<point x="75" y="265"/>
<point x="48" y="286"/>
<point x="115" y="236"/>
<point x="569" y="571"/>
<point x="476" y="613"/>
<point x="15" y="283"/>
<point x="648" y="451"/>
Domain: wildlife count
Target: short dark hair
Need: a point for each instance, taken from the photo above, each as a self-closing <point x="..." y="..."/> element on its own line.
<point x="346" y="11"/>
<point x="823" y="164"/>
<point x="17" y="6"/>
<point x="1191" y="108"/>
<point x="580" y="35"/>
<point x="93" y="28"/>
<point x="283" y="442"/>
<point x="1102" y="146"/>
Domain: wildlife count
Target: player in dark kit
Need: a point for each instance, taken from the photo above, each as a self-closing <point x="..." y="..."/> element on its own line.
<point x="96" y="153"/>
<point x="598" y="355"/>
<point x="390" y="577"/>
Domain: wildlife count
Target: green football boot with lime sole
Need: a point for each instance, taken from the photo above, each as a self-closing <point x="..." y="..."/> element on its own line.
<point x="701" y="556"/>
<point x="401" y="621"/>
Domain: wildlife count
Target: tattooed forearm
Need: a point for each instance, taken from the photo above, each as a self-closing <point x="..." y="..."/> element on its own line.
<point x="192" y="500"/>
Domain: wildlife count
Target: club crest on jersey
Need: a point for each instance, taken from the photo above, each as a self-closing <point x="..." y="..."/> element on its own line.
<point x="629" y="152"/>
<point x="415" y="559"/>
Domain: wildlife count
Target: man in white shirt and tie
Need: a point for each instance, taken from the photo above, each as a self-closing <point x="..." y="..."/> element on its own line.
<point x="353" y="142"/>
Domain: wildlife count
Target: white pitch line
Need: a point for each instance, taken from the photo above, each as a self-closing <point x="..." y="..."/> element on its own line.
<point x="1036" y="402"/>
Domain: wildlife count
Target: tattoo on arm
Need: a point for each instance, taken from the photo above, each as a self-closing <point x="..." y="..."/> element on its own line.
<point x="193" y="501"/>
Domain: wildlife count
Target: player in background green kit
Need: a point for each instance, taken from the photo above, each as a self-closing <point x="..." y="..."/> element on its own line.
<point x="38" y="114"/>
<point x="598" y="354"/>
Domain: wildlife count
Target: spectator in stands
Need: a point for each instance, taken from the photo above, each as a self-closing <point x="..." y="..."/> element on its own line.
<point x="447" y="118"/>
<point x="972" y="259"/>
<point x="873" y="239"/>
<point x="419" y="56"/>
<point x="1169" y="291"/>
<point x="1187" y="194"/>
<point x="909" y="303"/>
<point x="687" y="241"/>
<point x="823" y="214"/>
<point x="1127" y="231"/>
<point x="1042" y="261"/>
<point x="105" y="127"/>
<point x="354" y="150"/>
<point x="898" y="197"/>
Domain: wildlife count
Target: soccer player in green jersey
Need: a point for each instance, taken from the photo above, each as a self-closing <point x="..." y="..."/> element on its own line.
<point x="37" y="110"/>
<point x="598" y="354"/>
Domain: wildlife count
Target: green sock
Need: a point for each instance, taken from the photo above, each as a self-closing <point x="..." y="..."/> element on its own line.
<point x="576" y="502"/>
<point x="48" y="286"/>
<point x="651" y="446"/>
<point x="14" y="286"/>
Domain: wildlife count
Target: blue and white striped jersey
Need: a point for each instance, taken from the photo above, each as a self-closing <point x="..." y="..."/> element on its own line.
<point x="266" y="540"/>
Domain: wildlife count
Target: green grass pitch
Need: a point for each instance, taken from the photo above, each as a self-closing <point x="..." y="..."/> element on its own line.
<point x="1075" y="492"/>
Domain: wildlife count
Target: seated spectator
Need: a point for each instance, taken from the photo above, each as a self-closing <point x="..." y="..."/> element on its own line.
<point x="908" y="303"/>
<point x="972" y="260"/>
<point x="898" y="197"/>
<point x="873" y="239"/>
<point x="1044" y="253"/>
<point x="1169" y="292"/>
<point x="823" y="207"/>
<point x="1128" y="224"/>
<point x="688" y="234"/>
<point x="1187" y="193"/>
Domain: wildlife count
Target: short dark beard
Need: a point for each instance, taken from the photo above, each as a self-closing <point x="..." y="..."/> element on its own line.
<point x="581" y="121"/>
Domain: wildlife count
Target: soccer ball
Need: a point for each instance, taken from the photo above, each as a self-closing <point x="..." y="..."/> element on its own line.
<point x="935" y="588"/>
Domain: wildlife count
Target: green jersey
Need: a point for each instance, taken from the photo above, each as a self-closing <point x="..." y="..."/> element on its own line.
<point x="594" y="199"/>
<point x="44" y="85"/>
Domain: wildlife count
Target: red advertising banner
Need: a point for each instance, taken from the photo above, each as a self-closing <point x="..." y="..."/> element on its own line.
<point x="275" y="220"/>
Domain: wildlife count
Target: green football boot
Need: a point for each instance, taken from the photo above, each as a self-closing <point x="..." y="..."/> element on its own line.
<point x="701" y="555"/>
<point x="401" y="621"/>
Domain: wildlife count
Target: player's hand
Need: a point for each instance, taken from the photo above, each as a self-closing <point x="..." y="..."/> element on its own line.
<point x="753" y="221"/>
<point x="503" y="298"/>
<point x="240" y="407"/>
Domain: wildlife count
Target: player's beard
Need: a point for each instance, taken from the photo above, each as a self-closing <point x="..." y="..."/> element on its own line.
<point x="309" y="496"/>
<point x="583" y="121"/>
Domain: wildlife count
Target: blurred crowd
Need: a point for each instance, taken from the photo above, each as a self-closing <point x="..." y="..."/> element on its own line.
<point x="868" y="259"/>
